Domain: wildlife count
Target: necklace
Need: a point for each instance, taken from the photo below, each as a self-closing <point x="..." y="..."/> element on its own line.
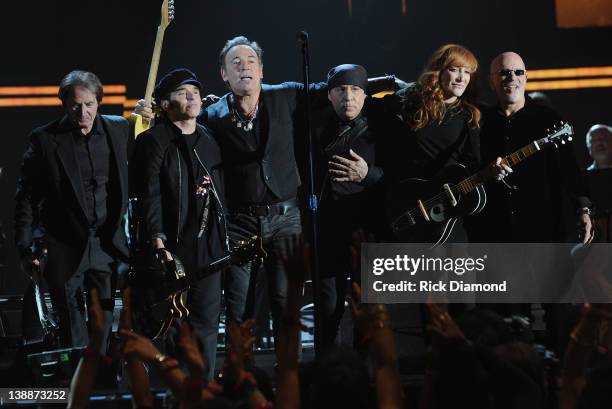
<point x="246" y="124"/>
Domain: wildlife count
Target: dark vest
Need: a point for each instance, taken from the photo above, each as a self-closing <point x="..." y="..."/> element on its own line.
<point x="276" y="161"/>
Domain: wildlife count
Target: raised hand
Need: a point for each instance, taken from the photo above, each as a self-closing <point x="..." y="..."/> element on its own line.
<point x="193" y="355"/>
<point x="138" y="346"/>
<point x="96" y="320"/>
<point x="442" y="323"/>
<point x="367" y="318"/>
<point x="147" y="111"/>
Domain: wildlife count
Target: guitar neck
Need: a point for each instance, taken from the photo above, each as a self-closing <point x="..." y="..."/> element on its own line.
<point x="213" y="267"/>
<point x="516" y="157"/>
<point x="159" y="39"/>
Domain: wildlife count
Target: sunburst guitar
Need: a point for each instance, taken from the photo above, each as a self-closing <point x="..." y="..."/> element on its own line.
<point x="159" y="292"/>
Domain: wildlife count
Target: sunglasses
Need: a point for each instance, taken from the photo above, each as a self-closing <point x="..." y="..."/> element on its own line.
<point x="507" y="72"/>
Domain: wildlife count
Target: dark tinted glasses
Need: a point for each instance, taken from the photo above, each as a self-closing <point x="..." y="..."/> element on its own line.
<point x="507" y="72"/>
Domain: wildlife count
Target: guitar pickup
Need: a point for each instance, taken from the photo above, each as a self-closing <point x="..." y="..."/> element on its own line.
<point x="449" y="194"/>
<point x="423" y="210"/>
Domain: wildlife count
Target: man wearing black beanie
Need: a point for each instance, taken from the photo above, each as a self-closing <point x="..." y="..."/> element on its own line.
<point x="349" y="176"/>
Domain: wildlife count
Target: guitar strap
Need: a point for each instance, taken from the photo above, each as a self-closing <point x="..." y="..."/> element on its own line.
<point x="347" y="134"/>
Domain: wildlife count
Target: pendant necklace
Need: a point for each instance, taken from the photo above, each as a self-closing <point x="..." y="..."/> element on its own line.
<point x="246" y="124"/>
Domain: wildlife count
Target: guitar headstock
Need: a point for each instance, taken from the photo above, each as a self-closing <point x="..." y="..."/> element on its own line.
<point x="167" y="13"/>
<point x="559" y="135"/>
<point x="248" y="250"/>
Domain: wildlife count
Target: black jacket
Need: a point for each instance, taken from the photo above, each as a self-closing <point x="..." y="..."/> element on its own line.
<point x="277" y="162"/>
<point x="50" y="193"/>
<point x="159" y="176"/>
<point x="364" y="138"/>
<point x="532" y="209"/>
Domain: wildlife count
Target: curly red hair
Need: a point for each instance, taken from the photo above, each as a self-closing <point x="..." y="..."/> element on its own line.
<point x="428" y="95"/>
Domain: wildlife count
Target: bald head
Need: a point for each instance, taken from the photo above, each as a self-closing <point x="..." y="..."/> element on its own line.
<point x="508" y="79"/>
<point x="508" y="58"/>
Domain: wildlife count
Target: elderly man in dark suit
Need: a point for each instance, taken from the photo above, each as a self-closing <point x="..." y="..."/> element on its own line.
<point x="73" y="186"/>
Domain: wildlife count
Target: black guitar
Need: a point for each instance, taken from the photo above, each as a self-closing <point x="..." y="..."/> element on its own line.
<point x="158" y="292"/>
<point x="424" y="211"/>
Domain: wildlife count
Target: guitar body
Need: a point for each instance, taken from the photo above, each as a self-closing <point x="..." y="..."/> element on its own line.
<point x="158" y="298"/>
<point x="407" y="219"/>
<point x="138" y="124"/>
<point x="159" y="292"/>
<point x="153" y="320"/>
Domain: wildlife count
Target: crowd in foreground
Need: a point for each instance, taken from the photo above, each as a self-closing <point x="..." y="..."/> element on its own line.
<point x="476" y="361"/>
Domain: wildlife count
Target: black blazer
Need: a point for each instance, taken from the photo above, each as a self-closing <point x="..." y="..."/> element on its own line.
<point x="159" y="177"/>
<point x="277" y="163"/>
<point x="50" y="193"/>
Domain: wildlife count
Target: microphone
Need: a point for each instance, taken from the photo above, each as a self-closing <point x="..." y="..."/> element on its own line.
<point x="302" y="37"/>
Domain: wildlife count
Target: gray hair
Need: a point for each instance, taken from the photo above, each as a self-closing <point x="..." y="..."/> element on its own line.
<point x="594" y="128"/>
<point x="78" y="78"/>
<point x="236" y="41"/>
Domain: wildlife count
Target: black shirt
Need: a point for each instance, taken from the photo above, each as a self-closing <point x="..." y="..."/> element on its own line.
<point x="93" y="156"/>
<point x="252" y="151"/>
<point x="530" y="208"/>
<point x="423" y="153"/>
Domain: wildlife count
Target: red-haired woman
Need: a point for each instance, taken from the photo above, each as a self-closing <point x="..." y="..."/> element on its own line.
<point x="440" y="126"/>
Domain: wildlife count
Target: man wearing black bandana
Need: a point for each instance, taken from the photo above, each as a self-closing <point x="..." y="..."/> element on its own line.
<point x="349" y="176"/>
<point x="259" y="128"/>
<point x="176" y="174"/>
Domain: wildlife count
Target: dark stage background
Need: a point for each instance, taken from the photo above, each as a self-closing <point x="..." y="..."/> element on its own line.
<point x="43" y="40"/>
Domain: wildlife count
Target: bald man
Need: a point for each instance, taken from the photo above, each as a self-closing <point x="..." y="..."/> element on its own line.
<point x="527" y="206"/>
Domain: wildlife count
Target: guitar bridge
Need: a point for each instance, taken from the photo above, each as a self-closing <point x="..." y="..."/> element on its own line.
<point x="423" y="210"/>
<point x="449" y="194"/>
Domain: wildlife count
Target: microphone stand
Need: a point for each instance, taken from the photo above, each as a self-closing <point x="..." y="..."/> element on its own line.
<point x="302" y="38"/>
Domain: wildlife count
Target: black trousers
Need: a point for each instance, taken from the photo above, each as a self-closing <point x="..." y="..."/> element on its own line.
<point x="338" y="220"/>
<point x="274" y="230"/>
<point x="204" y="305"/>
<point x="70" y="292"/>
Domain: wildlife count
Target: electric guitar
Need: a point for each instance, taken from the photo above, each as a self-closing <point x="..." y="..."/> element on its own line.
<point x="138" y="123"/>
<point x="159" y="292"/>
<point x="423" y="211"/>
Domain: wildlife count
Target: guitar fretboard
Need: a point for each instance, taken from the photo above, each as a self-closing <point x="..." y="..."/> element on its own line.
<point x="469" y="184"/>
